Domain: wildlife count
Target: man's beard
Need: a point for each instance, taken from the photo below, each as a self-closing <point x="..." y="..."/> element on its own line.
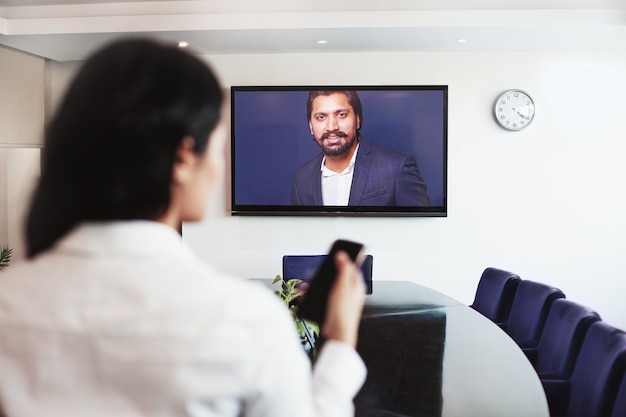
<point x="336" y="151"/>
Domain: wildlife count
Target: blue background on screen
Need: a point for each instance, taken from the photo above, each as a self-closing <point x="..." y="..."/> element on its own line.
<point x="272" y="138"/>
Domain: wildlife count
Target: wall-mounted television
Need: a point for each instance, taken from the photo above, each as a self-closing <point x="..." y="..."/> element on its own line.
<point x="339" y="150"/>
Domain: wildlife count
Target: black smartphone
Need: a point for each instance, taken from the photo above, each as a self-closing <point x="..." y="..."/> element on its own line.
<point x="313" y="305"/>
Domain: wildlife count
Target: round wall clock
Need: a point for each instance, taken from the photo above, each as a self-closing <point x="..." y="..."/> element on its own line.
<point x="514" y="109"/>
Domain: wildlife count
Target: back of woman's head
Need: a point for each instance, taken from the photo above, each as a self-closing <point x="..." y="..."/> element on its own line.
<point x="111" y="146"/>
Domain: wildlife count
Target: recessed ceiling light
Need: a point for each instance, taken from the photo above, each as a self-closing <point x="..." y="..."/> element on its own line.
<point x="183" y="44"/>
<point x="321" y="41"/>
<point x="461" y="40"/>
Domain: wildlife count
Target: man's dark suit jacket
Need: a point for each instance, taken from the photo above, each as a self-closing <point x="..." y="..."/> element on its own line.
<point x="382" y="177"/>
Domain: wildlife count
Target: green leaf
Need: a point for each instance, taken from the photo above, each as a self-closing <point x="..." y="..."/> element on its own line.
<point x="291" y="284"/>
<point x="5" y="256"/>
<point x="300" y="328"/>
<point x="314" y="327"/>
<point x="287" y="294"/>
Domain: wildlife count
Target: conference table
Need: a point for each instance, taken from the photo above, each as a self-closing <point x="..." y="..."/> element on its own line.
<point x="427" y="354"/>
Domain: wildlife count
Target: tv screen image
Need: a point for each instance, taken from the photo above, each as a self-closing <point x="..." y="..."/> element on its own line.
<point x="398" y="169"/>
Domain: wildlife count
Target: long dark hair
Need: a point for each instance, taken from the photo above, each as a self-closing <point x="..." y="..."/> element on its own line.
<point x="109" y="151"/>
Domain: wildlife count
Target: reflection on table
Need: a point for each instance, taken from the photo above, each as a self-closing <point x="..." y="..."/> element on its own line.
<point x="430" y="355"/>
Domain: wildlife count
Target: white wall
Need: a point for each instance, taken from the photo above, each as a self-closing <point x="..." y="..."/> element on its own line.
<point x="4" y="229"/>
<point x="19" y="171"/>
<point x="23" y="170"/>
<point x="21" y="99"/>
<point x="547" y="202"/>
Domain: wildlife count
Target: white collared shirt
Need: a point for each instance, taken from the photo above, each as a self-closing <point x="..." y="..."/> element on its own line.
<point x="122" y="319"/>
<point x="336" y="185"/>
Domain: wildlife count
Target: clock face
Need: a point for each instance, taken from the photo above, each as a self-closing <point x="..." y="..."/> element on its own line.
<point x="514" y="110"/>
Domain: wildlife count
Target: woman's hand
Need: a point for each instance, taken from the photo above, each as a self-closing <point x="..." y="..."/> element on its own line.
<point x="345" y="302"/>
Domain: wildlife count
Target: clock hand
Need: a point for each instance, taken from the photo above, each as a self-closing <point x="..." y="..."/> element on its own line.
<point x="522" y="115"/>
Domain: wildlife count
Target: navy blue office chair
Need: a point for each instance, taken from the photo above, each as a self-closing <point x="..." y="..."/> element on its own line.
<point x="529" y="312"/>
<point x="592" y="389"/>
<point x="304" y="266"/>
<point x="494" y="294"/>
<point x="619" y="405"/>
<point x="561" y="339"/>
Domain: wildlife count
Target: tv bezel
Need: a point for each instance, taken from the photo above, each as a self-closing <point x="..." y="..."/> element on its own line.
<point x="337" y="211"/>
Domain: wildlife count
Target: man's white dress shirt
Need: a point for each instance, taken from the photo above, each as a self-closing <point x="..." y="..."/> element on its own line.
<point x="121" y="319"/>
<point x="336" y="185"/>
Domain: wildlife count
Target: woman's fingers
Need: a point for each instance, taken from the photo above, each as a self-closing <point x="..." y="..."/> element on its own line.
<point x="345" y="302"/>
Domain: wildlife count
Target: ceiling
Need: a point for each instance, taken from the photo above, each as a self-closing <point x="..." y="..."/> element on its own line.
<point x="66" y="30"/>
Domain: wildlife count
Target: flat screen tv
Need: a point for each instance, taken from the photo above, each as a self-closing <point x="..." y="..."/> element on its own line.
<point x="399" y="167"/>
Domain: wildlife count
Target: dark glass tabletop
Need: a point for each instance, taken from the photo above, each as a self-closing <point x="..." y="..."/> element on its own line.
<point x="427" y="355"/>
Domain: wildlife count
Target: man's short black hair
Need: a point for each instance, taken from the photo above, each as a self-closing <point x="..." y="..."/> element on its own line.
<point x="353" y="99"/>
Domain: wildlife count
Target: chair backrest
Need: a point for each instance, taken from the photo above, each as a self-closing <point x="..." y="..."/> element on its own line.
<point x="494" y="294"/>
<point x="529" y="311"/>
<point x="598" y="372"/>
<point x="562" y="337"/>
<point x="304" y="266"/>
<point x="619" y="405"/>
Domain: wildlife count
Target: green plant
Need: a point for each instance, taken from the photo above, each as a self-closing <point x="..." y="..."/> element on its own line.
<point x="289" y="293"/>
<point x="5" y="256"/>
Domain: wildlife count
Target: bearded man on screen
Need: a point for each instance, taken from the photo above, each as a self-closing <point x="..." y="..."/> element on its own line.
<point x="349" y="170"/>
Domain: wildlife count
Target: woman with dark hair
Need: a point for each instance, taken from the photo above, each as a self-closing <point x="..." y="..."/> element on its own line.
<point x="112" y="314"/>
